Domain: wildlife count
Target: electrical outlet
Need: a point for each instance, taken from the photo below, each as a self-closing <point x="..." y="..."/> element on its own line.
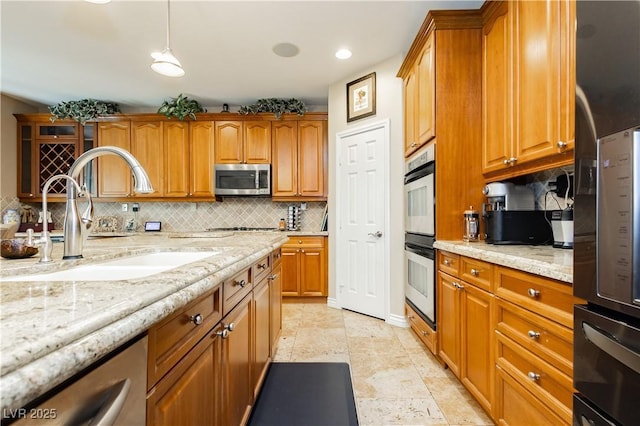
<point x="125" y="207"/>
<point x="135" y="207"/>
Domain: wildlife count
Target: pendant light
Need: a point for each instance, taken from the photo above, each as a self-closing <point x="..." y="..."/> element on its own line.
<point x="164" y="62"/>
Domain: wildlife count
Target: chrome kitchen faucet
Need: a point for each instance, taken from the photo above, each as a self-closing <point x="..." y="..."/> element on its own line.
<point x="75" y="227"/>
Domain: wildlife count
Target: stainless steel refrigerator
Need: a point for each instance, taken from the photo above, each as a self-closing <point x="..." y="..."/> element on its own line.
<point x="606" y="269"/>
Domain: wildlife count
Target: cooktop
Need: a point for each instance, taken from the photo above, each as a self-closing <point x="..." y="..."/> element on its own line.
<point x="241" y="228"/>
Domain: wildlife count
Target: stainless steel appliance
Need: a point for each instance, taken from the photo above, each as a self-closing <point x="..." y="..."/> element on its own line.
<point x="607" y="213"/>
<point x="508" y="196"/>
<point x="420" y="233"/>
<point x="111" y="393"/>
<point x="419" y="192"/>
<point x="562" y="227"/>
<point x="242" y="179"/>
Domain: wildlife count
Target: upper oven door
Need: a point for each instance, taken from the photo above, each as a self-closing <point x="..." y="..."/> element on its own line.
<point x="419" y="200"/>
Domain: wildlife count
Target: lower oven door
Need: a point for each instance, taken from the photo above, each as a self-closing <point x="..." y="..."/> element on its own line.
<point x="420" y="281"/>
<point x="606" y="365"/>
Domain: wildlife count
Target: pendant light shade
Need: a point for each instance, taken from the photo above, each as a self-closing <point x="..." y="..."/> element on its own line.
<point x="165" y="62"/>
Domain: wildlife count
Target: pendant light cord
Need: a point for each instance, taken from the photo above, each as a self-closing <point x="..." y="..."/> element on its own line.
<point x="168" y="24"/>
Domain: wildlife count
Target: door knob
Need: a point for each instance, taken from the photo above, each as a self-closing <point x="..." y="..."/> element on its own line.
<point x="377" y="234"/>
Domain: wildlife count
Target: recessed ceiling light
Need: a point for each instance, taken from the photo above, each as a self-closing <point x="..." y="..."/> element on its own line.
<point x="343" y="54"/>
<point x="98" y="1"/>
<point x="286" y="50"/>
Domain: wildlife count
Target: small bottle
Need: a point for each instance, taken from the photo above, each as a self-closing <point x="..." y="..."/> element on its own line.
<point x="282" y="225"/>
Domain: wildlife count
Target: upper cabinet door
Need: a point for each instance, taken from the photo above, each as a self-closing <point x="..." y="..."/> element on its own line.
<point x="147" y="147"/>
<point x="537" y="67"/>
<point x="284" y="170"/>
<point x="257" y="142"/>
<point x="426" y="119"/>
<point x="114" y="176"/>
<point x="311" y="137"/>
<point x="201" y="158"/>
<point x="176" y="158"/>
<point x="228" y="140"/>
<point x="496" y="89"/>
<point x="410" y="112"/>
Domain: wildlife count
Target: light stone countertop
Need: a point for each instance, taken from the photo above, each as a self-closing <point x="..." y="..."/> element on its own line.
<point x="546" y="261"/>
<point x="51" y="330"/>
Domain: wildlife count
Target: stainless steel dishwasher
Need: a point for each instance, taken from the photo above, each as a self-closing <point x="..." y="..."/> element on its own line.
<point x="112" y="393"/>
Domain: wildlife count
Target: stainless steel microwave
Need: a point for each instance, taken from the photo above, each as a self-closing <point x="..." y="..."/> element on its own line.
<point x="242" y="179"/>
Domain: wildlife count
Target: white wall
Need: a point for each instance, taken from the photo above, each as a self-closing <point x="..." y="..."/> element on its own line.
<point x="388" y="105"/>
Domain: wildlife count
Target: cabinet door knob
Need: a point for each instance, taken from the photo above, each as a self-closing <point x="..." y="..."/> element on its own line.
<point x="196" y="319"/>
<point x="273" y="277"/>
<point x="534" y="377"/>
<point x="533" y="334"/>
<point x="299" y="241"/>
<point x="230" y="326"/>
<point x="561" y="145"/>
<point x="223" y="333"/>
<point x="533" y="292"/>
<point x="413" y="144"/>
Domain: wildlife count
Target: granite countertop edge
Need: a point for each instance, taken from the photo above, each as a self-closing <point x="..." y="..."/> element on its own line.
<point x="32" y="368"/>
<point x="545" y="261"/>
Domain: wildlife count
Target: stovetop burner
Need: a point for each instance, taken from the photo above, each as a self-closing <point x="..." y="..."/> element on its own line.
<point x="241" y="228"/>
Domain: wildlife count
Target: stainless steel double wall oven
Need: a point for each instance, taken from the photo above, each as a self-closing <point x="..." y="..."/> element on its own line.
<point x="419" y="199"/>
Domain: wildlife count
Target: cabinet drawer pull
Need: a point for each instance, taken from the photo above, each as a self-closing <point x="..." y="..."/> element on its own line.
<point x="475" y="272"/>
<point x="299" y="241"/>
<point x="223" y="333"/>
<point x="533" y="292"/>
<point x="458" y="286"/>
<point x="230" y="326"/>
<point x="447" y="262"/>
<point x="424" y="332"/>
<point x="262" y="266"/>
<point x="533" y="334"/>
<point x="241" y="283"/>
<point x="533" y="376"/>
<point x="196" y="319"/>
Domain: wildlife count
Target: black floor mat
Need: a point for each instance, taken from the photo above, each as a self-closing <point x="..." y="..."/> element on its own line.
<point x="306" y="394"/>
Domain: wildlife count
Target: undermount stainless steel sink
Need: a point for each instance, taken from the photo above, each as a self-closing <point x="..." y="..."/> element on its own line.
<point x="125" y="268"/>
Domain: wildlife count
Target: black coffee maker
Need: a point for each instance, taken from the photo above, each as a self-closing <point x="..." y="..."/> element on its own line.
<point x="510" y="216"/>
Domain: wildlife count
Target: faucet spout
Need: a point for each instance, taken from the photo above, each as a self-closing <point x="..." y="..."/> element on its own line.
<point x="73" y="230"/>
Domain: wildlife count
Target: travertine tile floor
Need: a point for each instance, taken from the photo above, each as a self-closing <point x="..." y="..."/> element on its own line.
<point x="396" y="380"/>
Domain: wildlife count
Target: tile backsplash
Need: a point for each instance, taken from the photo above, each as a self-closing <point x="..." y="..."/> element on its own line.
<point x="247" y="212"/>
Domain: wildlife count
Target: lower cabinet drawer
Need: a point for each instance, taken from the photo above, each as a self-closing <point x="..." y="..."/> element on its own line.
<point x="172" y="338"/>
<point x="547" y="339"/>
<point x="517" y="406"/>
<point x="235" y="289"/>
<point x="549" y="385"/>
<point x="422" y="329"/>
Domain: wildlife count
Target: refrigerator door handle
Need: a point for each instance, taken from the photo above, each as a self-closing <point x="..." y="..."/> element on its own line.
<point x="618" y="351"/>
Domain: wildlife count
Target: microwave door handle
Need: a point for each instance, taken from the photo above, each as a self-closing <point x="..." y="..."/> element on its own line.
<point x="257" y="179"/>
<point x="618" y="351"/>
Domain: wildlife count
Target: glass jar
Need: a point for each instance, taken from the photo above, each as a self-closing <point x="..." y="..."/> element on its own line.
<point x="471" y="225"/>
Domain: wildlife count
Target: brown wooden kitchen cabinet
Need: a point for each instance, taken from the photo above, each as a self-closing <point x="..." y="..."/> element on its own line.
<point x="465" y="325"/>
<point x="114" y="175"/>
<point x="299" y="158"/>
<point x="275" y="288"/>
<point x="46" y="149"/>
<point x="304" y="267"/>
<point x="442" y="75"/>
<point x="261" y="328"/>
<point x="148" y="148"/>
<point x="239" y="142"/>
<point x="419" y="98"/>
<point x="528" y="94"/>
<point x="188" y="159"/>
<point x="534" y="344"/>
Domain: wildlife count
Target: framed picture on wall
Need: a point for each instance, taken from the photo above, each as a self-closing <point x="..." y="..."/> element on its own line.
<point x="361" y="97"/>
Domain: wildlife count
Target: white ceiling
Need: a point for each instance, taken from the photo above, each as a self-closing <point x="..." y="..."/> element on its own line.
<point x="55" y="51"/>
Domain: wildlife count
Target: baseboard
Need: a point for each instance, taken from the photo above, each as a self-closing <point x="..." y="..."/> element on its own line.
<point x="398" y="320"/>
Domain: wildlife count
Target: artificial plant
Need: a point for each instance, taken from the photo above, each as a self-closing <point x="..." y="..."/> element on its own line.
<point x="181" y="108"/>
<point x="276" y="106"/>
<point x="83" y="110"/>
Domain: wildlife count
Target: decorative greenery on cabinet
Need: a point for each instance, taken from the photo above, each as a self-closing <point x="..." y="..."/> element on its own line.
<point x="83" y="110"/>
<point x="276" y="106"/>
<point x="181" y="108"/>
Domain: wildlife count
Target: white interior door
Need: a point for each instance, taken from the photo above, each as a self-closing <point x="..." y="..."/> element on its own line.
<point x="361" y="263"/>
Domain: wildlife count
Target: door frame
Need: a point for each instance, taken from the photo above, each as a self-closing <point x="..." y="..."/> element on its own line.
<point x="385" y="125"/>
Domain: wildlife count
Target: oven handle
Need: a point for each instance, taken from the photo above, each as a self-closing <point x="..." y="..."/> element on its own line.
<point x="618" y="351"/>
<point x="422" y="251"/>
<point x="427" y="169"/>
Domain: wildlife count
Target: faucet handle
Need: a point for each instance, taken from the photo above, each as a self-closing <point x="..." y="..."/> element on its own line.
<point x="87" y="216"/>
